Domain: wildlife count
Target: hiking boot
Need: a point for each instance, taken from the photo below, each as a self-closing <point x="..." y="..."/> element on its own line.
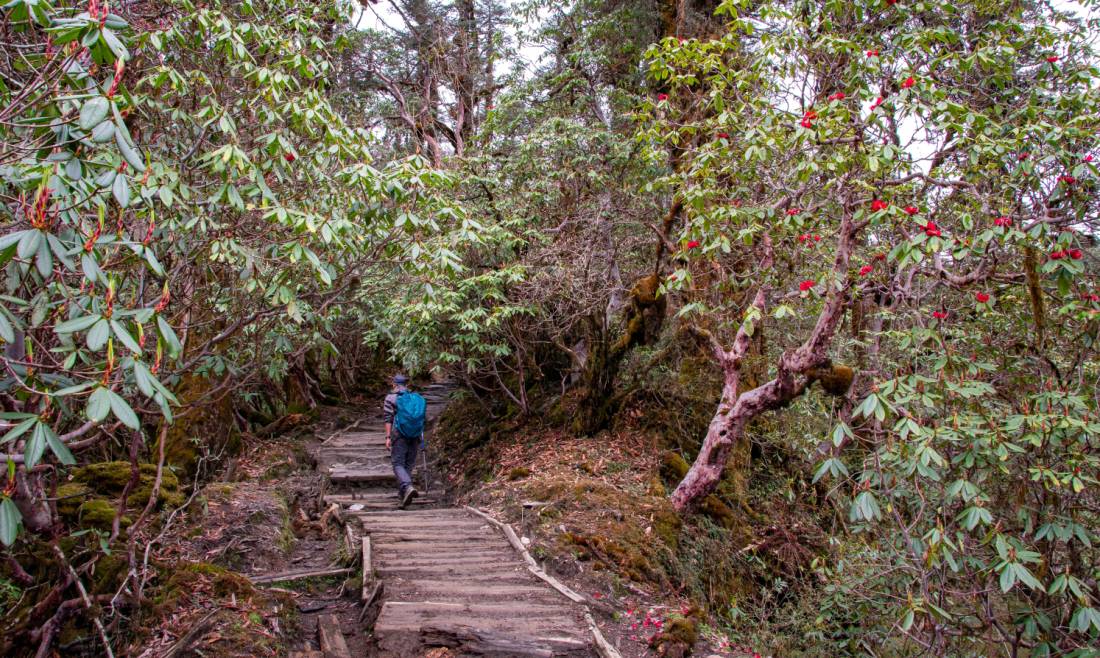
<point x="409" y="494"/>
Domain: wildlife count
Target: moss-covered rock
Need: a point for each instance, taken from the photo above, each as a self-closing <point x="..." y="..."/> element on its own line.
<point x="518" y="473"/>
<point x="99" y="514"/>
<point x="679" y="635"/>
<point x="69" y="497"/>
<point x="109" y="479"/>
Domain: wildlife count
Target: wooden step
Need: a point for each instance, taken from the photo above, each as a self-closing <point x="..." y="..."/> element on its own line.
<point x="331" y="637"/>
<point x="540" y="618"/>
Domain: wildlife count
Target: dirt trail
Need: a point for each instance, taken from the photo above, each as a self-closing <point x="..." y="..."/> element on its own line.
<point x="437" y="580"/>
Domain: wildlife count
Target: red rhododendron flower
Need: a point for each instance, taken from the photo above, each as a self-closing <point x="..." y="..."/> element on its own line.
<point x="931" y="230"/>
<point x="791" y="212"/>
<point x="1057" y="255"/>
<point x="1076" y="254"/>
<point x="806" y="285"/>
<point x="817" y="238"/>
<point x="838" y="96"/>
<point x="879" y="204"/>
<point x="693" y="244"/>
<point x="804" y="237"/>
<point x="723" y="135"/>
<point x="1052" y="59"/>
<point x="1088" y="158"/>
<point x="939" y="315"/>
<point x="1023" y="156"/>
<point x="982" y="297"/>
<point x="1002" y="221"/>
<point x="878" y="101"/>
<point x="289" y="157"/>
<point x="909" y="82"/>
<point x="911" y="210"/>
<point x="808" y="119"/>
<point x="866" y="269"/>
<point x="662" y="97"/>
<point x="873" y="52"/>
<point x="1068" y="180"/>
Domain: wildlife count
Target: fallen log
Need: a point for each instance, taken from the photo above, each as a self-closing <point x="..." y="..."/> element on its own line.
<point x="298" y="575"/>
<point x="468" y="640"/>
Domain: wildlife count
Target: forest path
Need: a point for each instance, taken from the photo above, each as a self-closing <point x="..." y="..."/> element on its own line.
<point x="435" y="575"/>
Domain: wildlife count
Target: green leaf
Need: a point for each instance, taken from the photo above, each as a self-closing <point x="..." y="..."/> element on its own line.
<point x="36" y="446"/>
<point x="123" y="411"/>
<point x="93" y="112"/>
<point x="7" y="332"/>
<point x="129" y="153"/>
<point x="10" y="521"/>
<point x="17" y="431"/>
<point x="169" y="336"/>
<point x="98" y="335"/>
<point x="124" y="336"/>
<point x="99" y="404"/>
<point x="76" y="324"/>
<point x="114" y="43"/>
<point x="102" y="133"/>
<point x="121" y="190"/>
<point x="58" y="448"/>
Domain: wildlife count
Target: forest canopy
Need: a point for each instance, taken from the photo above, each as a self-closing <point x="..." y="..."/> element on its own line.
<point x="219" y="214"/>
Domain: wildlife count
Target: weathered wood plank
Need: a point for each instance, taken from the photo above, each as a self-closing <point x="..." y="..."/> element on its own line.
<point x="331" y="637"/>
<point x="298" y="575"/>
<point x="368" y="567"/>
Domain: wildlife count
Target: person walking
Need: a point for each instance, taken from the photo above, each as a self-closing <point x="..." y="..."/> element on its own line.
<point x="403" y="412"/>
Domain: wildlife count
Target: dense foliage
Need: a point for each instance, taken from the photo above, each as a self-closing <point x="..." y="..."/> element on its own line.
<point x="876" y="218"/>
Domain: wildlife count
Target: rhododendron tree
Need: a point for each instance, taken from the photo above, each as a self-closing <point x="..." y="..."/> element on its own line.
<point x="965" y="450"/>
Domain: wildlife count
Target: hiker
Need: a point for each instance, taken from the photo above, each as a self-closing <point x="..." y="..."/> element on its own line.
<point x="403" y="412"/>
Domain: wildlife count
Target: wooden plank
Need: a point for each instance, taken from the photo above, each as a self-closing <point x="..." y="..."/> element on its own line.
<point x="556" y="584"/>
<point x="474" y="641"/>
<point x="518" y="545"/>
<point x="602" y="645"/>
<point x="368" y="567"/>
<point x="331" y="637"/>
<point x="298" y="575"/>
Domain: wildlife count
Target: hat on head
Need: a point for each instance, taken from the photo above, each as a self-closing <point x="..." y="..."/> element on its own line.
<point x="400" y="379"/>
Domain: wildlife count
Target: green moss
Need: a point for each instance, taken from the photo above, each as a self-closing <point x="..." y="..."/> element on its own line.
<point x="69" y="498"/>
<point x="679" y="635"/>
<point x="99" y="514"/>
<point x="110" y="478"/>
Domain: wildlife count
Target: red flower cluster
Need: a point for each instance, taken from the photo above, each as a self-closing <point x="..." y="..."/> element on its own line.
<point x="1002" y="221"/>
<point x="693" y="244"/>
<point x="1076" y="254"/>
<point x="1091" y="297"/>
<point x="909" y="82"/>
<point x="931" y="230"/>
<point x="808" y="119"/>
<point x="806" y="285"/>
<point x="1057" y="255"/>
<point x="1088" y="158"/>
<point x="873" y="52"/>
<point x="878" y="101"/>
<point x="1052" y="59"/>
<point x="1068" y="180"/>
<point x="723" y="135"/>
<point x="806" y="237"/>
<point x="662" y="97"/>
<point x="289" y="157"/>
<point x="866" y="269"/>
<point x="939" y="315"/>
<point x="791" y="212"/>
<point x="1023" y="156"/>
<point x="911" y="210"/>
<point x="838" y="96"/>
<point x="879" y="204"/>
<point x="982" y="297"/>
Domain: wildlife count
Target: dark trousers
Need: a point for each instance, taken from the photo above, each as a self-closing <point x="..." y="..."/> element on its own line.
<point x="404" y="459"/>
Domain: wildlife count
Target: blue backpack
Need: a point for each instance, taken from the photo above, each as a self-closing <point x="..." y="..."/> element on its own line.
<point x="409" y="418"/>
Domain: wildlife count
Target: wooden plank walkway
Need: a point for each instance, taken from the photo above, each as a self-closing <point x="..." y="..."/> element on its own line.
<point x="447" y="577"/>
